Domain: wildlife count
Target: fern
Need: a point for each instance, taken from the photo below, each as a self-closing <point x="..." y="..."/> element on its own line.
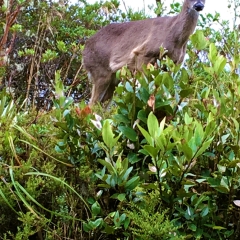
<point x="148" y="222"/>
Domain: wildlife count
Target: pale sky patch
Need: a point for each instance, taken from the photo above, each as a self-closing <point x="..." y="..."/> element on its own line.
<point x="211" y="6"/>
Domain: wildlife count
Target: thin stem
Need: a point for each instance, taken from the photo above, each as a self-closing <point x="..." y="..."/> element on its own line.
<point x="124" y="4"/>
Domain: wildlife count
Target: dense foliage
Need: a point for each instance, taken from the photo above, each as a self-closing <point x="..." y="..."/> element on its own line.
<point x="163" y="162"/>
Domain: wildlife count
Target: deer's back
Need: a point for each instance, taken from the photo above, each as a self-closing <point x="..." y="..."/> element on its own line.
<point x="119" y="44"/>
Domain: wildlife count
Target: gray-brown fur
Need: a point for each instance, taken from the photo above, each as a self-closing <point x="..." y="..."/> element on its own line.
<point x="134" y="44"/>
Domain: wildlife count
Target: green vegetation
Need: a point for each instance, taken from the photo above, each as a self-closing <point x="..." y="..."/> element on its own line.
<point x="163" y="162"/>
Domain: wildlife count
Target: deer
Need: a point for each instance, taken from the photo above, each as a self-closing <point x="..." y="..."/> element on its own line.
<point x="134" y="44"/>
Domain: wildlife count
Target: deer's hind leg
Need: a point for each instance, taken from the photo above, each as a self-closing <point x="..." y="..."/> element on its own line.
<point x="103" y="87"/>
<point x="110" y="89"/>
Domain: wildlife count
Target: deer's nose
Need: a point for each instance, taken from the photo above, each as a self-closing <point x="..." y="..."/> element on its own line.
<point x="198" y="6"/>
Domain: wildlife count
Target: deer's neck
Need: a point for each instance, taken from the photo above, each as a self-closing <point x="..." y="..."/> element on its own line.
<point x="185" y="25"/>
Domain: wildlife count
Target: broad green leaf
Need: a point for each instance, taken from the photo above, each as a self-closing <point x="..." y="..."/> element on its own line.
<point x="125" y="164"/>
<point x="198" y="233"/>
<point x="132" y="183"/>
<point x="96" y="223"/>
<point x="108" y="165"/>
<point x="121" y="197"/>
<point x="222" y="189"/>
<point x="119" y="89"/>
<point x="200" y="180"/>
<point x="143" y="151"/>
<point x="103" y="185"/>
<point x="200" y="200"/>
<point x="147" y="136"/>
<point x="126" y="173"/>
<point x="236" y="124"/>
<point x="192" y="227"/>
<point x="158" y="80"/>
<point x="225" y="183"/>
<point x="161" y="142"/>
<point x="186" y="92"/>
<point x="129" y="133"/>
<point x="205" y="92"/>
<point x="224" y="138"/>
<point x="199" y="41"/>
<point x="233" y="164"/>
<point x="218" y="227"/>
<point x="204" y="146"/>
<point x="116" y="219"/>
<point x="162" y="124"/>
<point x="167" y="80"/>
<point x="184" y="79"/>
<point x="108" y="229"/>
<point x="142" y="116"/>
<point x="128" y="87"/>
<point x="113" y="181"/>
<point x="153" y="126"/>
<point x="96" y="209"/>
<point x="188" y="120"/>
<point x="219" y="64"/>
<point x="212" y="53"/>
<point x="209" y="70"/>
<point x="187" y="151"/>
<point x="126" y="223"/>
<point x="144" y="95"/>
<point x="68" y="101"/>
<point x="153" y="151"/>
<point x="214" y="182"/>
<point x="118" y="74"/>
<point x="122" y="217"/>
<point x="204" y="211"/>
<point x="87" y="227"/>
<point x="199" y="134"/>
<point x="210" y="128"/>
<point x="62" y="125"/>
<point x="120" y="118"/>
<point x="119" y="162"/>
<point x="189" y="213"/>
<point x="142" y="79"/>
<point x="107" y="134"/>
<point x="133" y="158"/>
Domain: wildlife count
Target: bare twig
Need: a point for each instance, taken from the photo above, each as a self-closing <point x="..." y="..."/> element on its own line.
<point x="10" y="19"/>
<point x="75" y="79"/>
<point x="124" y="4"/>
